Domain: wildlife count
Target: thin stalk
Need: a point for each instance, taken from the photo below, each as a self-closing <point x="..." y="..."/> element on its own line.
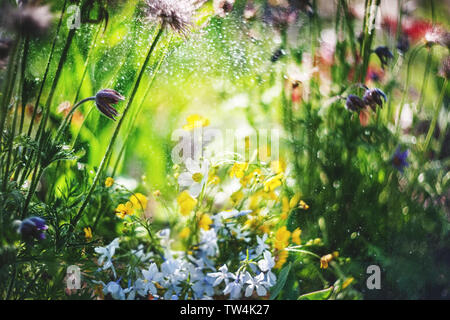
<point x="66" y="120"/>
<point x="46" y="112"/>
<point x="48" y="103"/>
<point x="405" y="90"/>
<point x="14" y="122"/>
<point x="8" y="82"/>
<point x="367" y="50"/>
<point x="47" y="68"/>
<point x="91" y="49"/>
<point x="438" y="108"/>
<point x="26" y="50"/>
<point x="136" y="116"/>
<point x="426" y="75"/>
<point x="116" y="131"/>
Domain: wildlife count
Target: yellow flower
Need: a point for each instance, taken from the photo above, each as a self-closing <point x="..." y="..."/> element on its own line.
<point x="87" y="233"/>
<point x="109" y="182"/>
<point x="294" y="200"/>
<point x="296" y="236"/>
<point x="251" y="177"/>
<point x="347" y="282"/>
<point x="281" y="259"/>
<point x="123" y="210"/>
<point x="139" y="201"/>
<point x="317" y="241"/>
<point x="278" y="166"/>
<point x="282" y="238"/>
<point x="266" y="227"/>
<point x="236" y="197"/>
<point x="196" y="121"/>
<point x="238" y="169"/>
<point x="186" y="203"/>
<point x="273" y="183"/>
<point x="184" y="233"/>
<point x="205" y="222"/>
<point x="214" y="179"/>
<point x="303" y="205"/>
<point x="325" y="260"/>
<point x="285" y="208"/>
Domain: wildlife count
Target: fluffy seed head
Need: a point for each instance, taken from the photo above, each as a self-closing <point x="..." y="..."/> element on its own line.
<point x="177" y="14"/>
<point x="31" y="20"/>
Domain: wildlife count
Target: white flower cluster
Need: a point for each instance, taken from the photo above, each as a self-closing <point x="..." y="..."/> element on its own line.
<point x="190" y="276"/>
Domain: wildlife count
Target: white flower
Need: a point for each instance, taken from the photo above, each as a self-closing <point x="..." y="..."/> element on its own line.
<point x="202" y="284"/>
<point x="208" y="242"/>
<point x="195" y="177"/>
<point x="220" y="276"/>
<point x="234" y="287"/>
<point x="107" y="253"/>
<point x="262" y="246"/>
<point x="257" y="283"/>
<point x="116" y="291"/>
<point x="267" y="263"/>
<point x="151" y="275"/>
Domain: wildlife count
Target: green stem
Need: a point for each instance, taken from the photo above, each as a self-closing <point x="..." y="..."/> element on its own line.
<point x="66" y="120"/>
<point x="426" y="75"/>
<point x="406" y="88"/>
<point x="438" y="108"/>
<point x="368" y="40"/>
<point x="136" y="116"/>
<point x="13" y="126"/>
<point x="116" y="131"/>
<point x="47" y="68"/>
<point x="10" y="80"/>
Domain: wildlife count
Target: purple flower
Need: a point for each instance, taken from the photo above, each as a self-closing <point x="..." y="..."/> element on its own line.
<point x="384" y="54"/>
<point x="374" y="98"/>
<point x="399" y="159"/>
<point x="354" y="103"/>
<point x="104" y="98"/>
<point x="33" y="227"/>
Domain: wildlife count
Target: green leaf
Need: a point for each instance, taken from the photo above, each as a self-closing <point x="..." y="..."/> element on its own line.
<point x="282" y="277"/>
<point x="317" y="295"/>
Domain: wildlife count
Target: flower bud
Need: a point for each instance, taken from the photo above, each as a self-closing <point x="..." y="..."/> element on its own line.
<point x="103" y="100"/>
<point x="372" y="98"/>
<point x="354" y="103"/>
<point x="384" y="54"/>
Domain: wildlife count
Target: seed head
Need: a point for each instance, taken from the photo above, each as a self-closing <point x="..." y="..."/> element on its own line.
<point x="444" y="71"/>
<point x="177" y="14"/>
<point x="223" y="7"/>
<point x="31" y="20"/>
<point x="103" y="100"/>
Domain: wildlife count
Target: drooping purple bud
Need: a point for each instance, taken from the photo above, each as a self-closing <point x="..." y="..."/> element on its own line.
<point x="354" y="103"/>
<point x="33" y="227"/>
<point x="103" y="100"/>
<point x="374" y="98"/>
<point x="384" y="54"/>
